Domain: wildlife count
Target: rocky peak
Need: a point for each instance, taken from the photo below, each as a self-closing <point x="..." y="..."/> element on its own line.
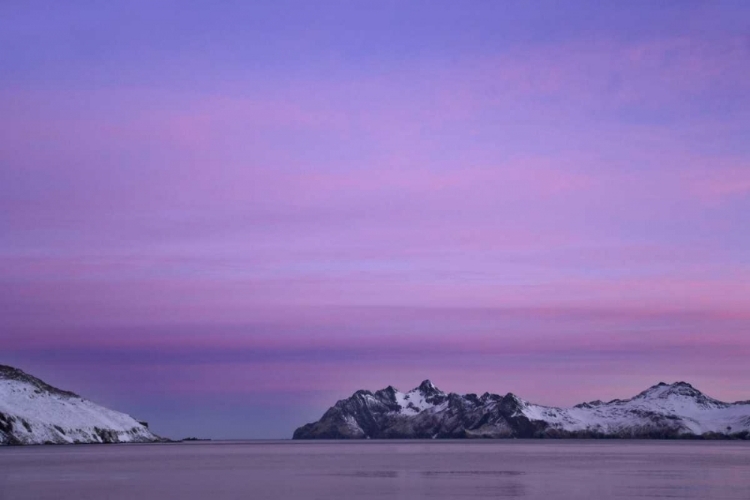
<point x="489" y="397"/>
<point x="678" y="391"/>
<point x="685" y="389"/>
<point x="590" y="404"/>
<point x="388" y="393"/>
<point x="663" y="390"/>
<point x="511" y="402"/>
<point x="428" y="388"/>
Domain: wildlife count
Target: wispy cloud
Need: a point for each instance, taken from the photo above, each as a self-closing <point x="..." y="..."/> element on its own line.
<point x="539" y="207"/>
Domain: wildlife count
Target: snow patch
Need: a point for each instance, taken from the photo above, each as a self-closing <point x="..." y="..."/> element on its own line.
<point x="412" y="402"/>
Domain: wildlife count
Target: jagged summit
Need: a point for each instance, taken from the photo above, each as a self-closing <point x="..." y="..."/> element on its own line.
<point x="661" y="411"/>
<point x="34" y="412"/>
<point x="663" y="387"/>
<point x="674" y="390"/>
<point x="427" y="387"/>
<point x="674" y="385"/>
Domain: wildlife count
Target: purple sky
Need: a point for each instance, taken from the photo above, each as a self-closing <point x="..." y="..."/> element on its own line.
<point x="223" y="219"/>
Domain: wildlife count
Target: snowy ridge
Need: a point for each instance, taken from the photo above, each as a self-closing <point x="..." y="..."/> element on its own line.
<point x="33" y="412"/>
<point x="678" y="408"/>
<point x="662" y="411"/>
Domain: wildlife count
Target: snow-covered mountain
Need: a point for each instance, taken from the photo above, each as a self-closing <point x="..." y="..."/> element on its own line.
<point x="662" y="411"/>
<point x="34" y="412"/>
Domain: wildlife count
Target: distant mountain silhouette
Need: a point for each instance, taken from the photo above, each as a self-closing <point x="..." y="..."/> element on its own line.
<point x="662" y="411"/>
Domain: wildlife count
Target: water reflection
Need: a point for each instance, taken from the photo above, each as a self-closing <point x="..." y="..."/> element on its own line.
<point x="380" y="470"/>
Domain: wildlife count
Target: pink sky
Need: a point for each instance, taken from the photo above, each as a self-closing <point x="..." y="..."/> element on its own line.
<point x="291" y="205"/>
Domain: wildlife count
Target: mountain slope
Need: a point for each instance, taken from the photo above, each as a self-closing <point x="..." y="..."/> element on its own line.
<point x="662" y="411"/>
<point x="34" y="412"/>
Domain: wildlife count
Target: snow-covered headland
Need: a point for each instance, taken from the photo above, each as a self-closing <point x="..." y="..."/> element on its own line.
<point x="34" y="412"/>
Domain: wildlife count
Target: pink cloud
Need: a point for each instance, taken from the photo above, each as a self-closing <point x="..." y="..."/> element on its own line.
<point x="720" y="184"/>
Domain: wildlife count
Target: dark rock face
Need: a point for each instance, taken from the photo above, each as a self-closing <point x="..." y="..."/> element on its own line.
<point x="428" y="413"/>
<point x="6" y="429"/>
<point x="379" y="415"/>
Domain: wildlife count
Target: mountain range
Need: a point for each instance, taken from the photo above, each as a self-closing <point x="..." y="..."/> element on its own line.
<point x="675" y="410"/>
<point x="34" y="412"/>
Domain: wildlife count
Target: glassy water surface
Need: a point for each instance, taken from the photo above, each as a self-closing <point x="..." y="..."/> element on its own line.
<point x="379" y="470"/>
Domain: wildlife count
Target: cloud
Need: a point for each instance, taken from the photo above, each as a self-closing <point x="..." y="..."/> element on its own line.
<point x="720" y="184"/>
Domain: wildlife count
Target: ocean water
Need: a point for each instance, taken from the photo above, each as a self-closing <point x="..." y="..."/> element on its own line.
<point x="379" y="470"/>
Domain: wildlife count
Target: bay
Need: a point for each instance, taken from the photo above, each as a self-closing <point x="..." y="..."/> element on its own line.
<point x="379" y="470"/>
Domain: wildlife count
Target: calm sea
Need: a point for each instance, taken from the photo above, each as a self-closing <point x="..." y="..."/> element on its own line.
<point x="379" y="470"/>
